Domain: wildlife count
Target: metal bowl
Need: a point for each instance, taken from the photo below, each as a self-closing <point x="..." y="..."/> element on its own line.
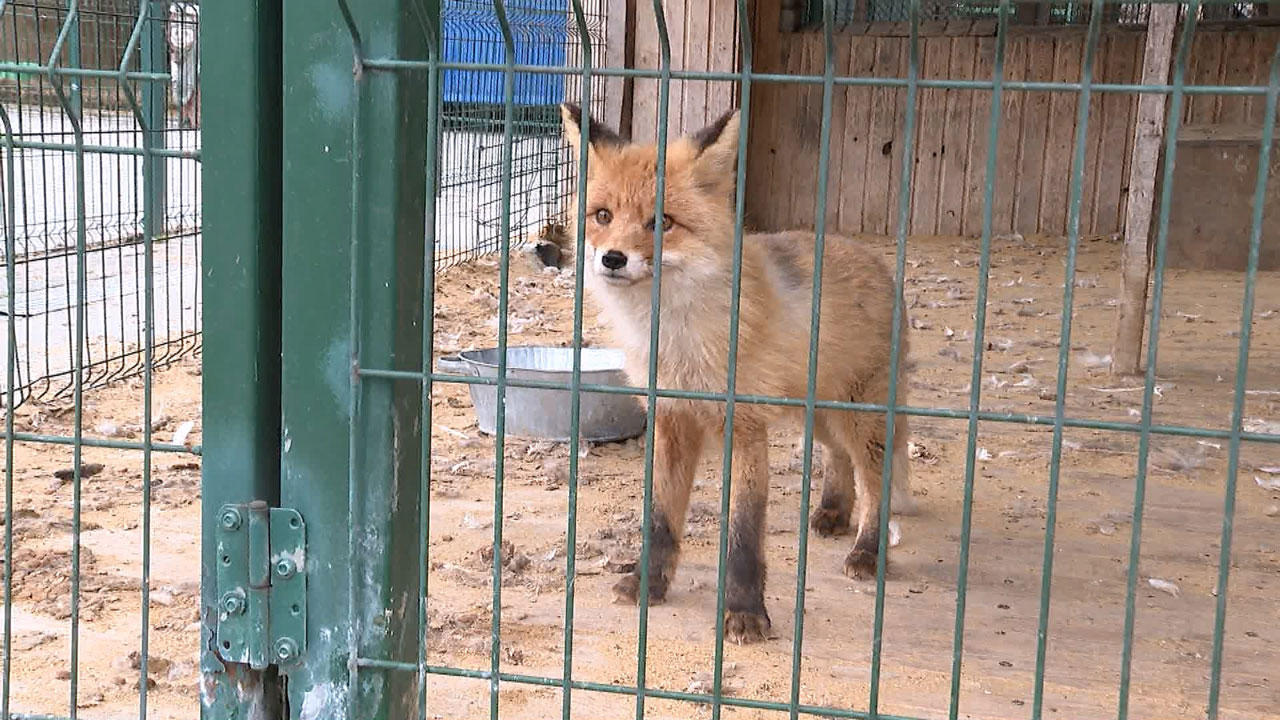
<point x="543" y="413"/>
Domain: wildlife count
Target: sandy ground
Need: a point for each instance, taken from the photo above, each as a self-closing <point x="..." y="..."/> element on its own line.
<point x="1178" y="570"/>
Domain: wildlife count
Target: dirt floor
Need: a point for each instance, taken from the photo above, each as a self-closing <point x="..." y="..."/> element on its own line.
<point x="1176" y="594"/>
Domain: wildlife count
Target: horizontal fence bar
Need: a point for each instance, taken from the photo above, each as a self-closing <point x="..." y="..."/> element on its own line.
<point x="614" y="689"/>
<point x="46" y="70"/>
<point x="726" y="76"/>
<point x="956" y="414"/>
<point x="102" y="443"/>
<point x="102" y="149"/>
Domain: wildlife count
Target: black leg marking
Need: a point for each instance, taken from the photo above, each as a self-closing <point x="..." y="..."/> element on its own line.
<point x="832" y="516"/>
<point x="663" y="550"/>
<point x="746" y="619"/>
<point x="860" y="564"/>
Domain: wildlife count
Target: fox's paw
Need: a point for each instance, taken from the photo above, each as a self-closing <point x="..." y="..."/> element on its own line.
<point x="627" y="590"/>
<point x="860" y="564"/>
<point x="829" y="522"/>
<point x="745" y="626"/>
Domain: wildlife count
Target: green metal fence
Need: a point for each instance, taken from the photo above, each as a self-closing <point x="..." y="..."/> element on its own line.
<point x="368" y="340"/>
<point x="85" y="166"/>
<point x="319" y="393"/>
<point x="470" y="171"/>
<point x="46" y="113"/>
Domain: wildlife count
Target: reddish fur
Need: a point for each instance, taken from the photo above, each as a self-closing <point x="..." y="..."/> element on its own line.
<point x="774" y="332"/>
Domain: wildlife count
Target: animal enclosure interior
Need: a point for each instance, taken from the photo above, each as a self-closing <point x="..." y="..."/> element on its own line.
<point x="385" y="184"/>
<point x="1175" y="599"/>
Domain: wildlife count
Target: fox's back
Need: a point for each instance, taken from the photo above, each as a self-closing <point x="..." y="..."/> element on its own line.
<point x="858" y="287"/>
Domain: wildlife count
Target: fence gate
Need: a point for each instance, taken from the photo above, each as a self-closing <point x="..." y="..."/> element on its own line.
<point x="315" y="478"/>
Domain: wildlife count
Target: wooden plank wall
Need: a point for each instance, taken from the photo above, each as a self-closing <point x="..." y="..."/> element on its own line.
<point x="1230" y="58"/>
<point x="1033" y="154"/>
<point x="1037" y="131"/>
<point x="703" y="36"/>
<point x="28" y="33"/>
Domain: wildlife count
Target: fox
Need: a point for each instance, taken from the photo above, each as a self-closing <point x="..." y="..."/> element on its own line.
<point x="776" y="283"/>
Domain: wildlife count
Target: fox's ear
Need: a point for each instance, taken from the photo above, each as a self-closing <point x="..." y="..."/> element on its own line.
<point x="600" y="137"/>
<point x="717" y="146"/>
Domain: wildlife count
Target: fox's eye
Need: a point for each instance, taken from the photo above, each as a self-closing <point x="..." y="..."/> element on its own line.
<point x="604" y="217"/>
<point x="667" y="223"/>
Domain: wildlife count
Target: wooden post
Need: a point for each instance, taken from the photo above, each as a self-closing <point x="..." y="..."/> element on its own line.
<point x="618" y="50"/>
<point x="1147" y="141"/>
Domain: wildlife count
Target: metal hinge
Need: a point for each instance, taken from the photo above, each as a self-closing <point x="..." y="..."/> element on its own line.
<point x="262" y="585"/>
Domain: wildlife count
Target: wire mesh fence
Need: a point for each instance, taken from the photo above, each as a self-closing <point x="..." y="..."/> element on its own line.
<point x="470" y="211"/>
<point x="649" y="301"/>
<point x="70" y="208"/>
<point x="45" y="189"/>
<point x="101" y="204"/>
<point x="1081" y="540"/>
<point x="100" y="188"/>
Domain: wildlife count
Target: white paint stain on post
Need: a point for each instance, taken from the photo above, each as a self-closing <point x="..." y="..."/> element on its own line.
<point x="326" y="700"/>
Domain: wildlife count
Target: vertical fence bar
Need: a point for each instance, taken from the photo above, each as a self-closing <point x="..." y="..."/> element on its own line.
<point x="735" y="302"/>
<point x="154" y="109"/>
<point x="9" y="160"/>
<point x="815" y="318"/>
<point x="1148" y="388"/>
<point x="664" y="101"/>
<point x="151" y="213"/>
<point x="81" y="292"/>
<point x="895" y="350"/>
<point x="575" y="381"/>
<point x="504" y="270"/>
<point x="77" y="103"/>
<point x="1074" y="201"/>
<point x="354" y="415"/>
<point x="431" y="28"/>
<point x="73" y="59"/>
<point x="1242" y="371"/>
<point x="240" y="265"/>
<point x="975" y="378"/>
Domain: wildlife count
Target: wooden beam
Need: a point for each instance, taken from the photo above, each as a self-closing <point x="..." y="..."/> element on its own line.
<point x="1148" y="138"/>
<point x="617" y="54"/>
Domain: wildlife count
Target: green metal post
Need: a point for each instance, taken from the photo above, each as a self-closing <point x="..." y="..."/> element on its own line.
<point x="353" y="210"/>
<point x="74" y="60"/>
<point x="154" y="59"/>
<point x="241" y="264"/>
<point x="10" y="231"/>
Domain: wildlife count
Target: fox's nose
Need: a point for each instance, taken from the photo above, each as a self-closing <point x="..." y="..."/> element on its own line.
<point x="614" y="260"/>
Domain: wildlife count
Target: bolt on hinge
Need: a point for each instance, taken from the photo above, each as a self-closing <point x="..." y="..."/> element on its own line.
<point x="262" y="585"/>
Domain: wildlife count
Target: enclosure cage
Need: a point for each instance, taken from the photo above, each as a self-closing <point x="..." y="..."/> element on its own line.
<point x="1098" y="498"/>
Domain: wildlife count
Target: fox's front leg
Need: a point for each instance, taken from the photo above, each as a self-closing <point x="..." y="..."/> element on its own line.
<point x="746" y="619"/>
<point x="676" y="450"/>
